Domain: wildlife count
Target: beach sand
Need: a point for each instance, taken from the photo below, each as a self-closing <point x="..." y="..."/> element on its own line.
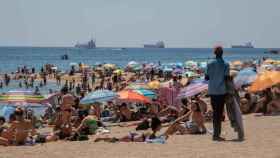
<point x="262" y="140"/>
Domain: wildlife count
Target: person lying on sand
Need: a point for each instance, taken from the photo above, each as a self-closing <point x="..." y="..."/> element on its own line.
<point x="135" y="137"/>
<point x="195" y="125"/>
<point x="18" y="132"/>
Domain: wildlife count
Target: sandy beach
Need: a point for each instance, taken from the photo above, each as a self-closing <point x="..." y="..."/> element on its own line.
<point x="262" y="140"/>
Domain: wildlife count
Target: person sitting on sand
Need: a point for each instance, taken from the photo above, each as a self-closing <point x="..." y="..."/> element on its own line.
<point x="265" y="100"/>
<point x="135" y="137"/>
<point x="3" y="124"/>
<point x="248" y="103"/>
<point x="202" y="104"/>
<point x="18" y="132"/>
<point x="195" y="125"/>
<point x="125" y="114"/>
<point x="89" y="124"/>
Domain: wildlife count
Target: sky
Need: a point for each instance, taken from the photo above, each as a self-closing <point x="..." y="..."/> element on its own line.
<point x="132" y="23"/>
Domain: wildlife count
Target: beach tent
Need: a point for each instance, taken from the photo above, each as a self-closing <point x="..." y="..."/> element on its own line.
<point x="131" y="96"/>
<point x="265" y="80"/>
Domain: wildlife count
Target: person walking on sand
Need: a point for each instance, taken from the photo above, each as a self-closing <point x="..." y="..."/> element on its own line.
<point x="217" y="73"/>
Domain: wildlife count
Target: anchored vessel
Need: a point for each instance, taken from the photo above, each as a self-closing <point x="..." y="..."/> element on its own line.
<point x="159" y="44"/>
<point x="89" y="45"/>
<point x="246" y="45"/>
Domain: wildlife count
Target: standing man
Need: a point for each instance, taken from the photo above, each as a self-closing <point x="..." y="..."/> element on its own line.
<point x="217" y="73"/>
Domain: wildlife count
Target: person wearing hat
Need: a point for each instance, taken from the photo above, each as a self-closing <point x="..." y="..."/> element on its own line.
<point x="217" y="73"/>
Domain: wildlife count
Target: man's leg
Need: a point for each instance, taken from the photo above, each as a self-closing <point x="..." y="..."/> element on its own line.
<point x="215" y="115"/>
<point x="217" y="103"/>
<point x="220" y="111"/>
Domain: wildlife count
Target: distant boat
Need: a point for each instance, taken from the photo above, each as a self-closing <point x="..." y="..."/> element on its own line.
<point x="89" y="45"/>
<point x="272" y="52"/>
<point x="246" y="45"/>
<point x="159" y="44"/>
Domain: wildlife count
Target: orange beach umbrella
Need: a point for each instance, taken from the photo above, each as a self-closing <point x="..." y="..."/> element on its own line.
<point x="265" y="80"/>
<point x="130" y="96"/>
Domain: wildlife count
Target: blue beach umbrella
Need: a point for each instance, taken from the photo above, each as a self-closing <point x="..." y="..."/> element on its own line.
<point x="245" y="77"/>
<point x="146" y="93"/>
<point x="99" y="96"/>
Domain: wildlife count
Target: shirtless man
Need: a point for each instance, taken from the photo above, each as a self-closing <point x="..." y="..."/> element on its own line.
<point x="18" y="132"/>
<point x="67" y="101"/>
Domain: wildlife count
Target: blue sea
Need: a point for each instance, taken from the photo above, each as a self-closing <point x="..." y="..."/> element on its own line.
<point x="12" y="57"/>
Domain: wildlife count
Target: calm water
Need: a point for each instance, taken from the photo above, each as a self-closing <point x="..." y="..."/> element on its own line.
<point x="12" y="57"/>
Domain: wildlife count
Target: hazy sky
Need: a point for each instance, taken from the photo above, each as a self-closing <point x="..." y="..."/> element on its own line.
<point x="180" y="23"/>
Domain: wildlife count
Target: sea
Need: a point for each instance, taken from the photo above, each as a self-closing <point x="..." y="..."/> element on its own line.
<point x="13" y="57"/>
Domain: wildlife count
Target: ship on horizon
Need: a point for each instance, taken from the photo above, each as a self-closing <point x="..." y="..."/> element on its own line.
<point x="159" y="44"/>
<point x="89" y="45"/>
<point x="246" y="45"/>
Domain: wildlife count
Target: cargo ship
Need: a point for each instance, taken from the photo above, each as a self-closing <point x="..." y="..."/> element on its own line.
<point x="159" y="44"/>
<point x="89" y="45"/>
<point x="246" y="45"/>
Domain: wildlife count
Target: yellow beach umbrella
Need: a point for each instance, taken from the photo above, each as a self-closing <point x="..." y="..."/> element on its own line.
<point x="265" y="80"/>
<point x="109" y="66"/>
<point x="119" y="71"/>
<point x="154" y="84"/>
<point x="237" y="63"/>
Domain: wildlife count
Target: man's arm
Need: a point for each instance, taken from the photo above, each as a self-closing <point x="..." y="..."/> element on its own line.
<point x="207" y="78"/>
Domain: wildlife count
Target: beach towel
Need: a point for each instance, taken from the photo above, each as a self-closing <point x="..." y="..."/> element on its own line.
<point x="233" y="109"/>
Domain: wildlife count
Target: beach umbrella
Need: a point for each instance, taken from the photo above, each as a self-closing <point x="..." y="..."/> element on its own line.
<point x="167" y="68"/>
<point x="137" y="86"/>
<point x="237" y="63"/>
<point x="193" y="89"/>
<point x="74" y="64"/>
<point x="118" y="71"/>
<point x="131" y="63"/>
<point x="99" y="96"/>
<point x="109" y="66"/>
<point x="270" y="61"/>
<point x="154" y="85"/>
<point x="190" y="74"/>
<point x="146" y="93"/>
<point x="131" y="96"/>
<point x="265" y="80"/>
<point x="178" y="71"/>
<point x="245" y="77"/>
<point x="190" y="64"/>
<point x="16" y="96"/>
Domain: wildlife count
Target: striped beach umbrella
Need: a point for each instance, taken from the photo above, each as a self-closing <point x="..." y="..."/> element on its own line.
<point x="99" y="96"/>
<point x="193" y="89"/>
<point x="146" y="93"/>
<point x="16" y="96"/>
